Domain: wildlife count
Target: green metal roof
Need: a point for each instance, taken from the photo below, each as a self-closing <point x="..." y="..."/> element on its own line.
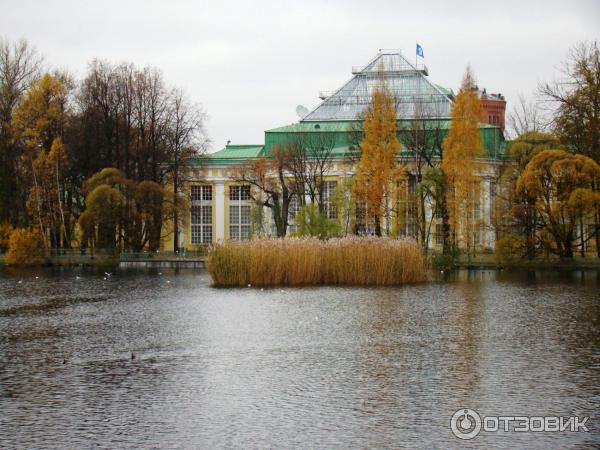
<point x="492" y="137"/>
<point x="326" y="126"/>
<point x="237" y="151"/>
<point x="231" y="154"/>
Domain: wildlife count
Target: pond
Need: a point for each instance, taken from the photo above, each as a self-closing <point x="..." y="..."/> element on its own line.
<point x="295" y="367"/>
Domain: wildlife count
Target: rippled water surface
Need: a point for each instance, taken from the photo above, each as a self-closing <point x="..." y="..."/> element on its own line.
<point x="303" y="368"/>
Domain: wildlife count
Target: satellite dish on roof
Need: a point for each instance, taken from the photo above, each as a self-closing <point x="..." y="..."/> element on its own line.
<point x="302" y="111"/>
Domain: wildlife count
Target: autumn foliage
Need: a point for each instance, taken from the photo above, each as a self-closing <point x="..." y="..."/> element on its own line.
<point x="564" y="187"/>
<point x="121" y="213"/>
<point x="26" y="247"/>
<point x="39" y="123"/>
<point x="462" y="146"/>
<point x="515" y="216"/>
<point x="378" y="171"/>
<point x="5" y="232"/>
<point x="56" y="132"/>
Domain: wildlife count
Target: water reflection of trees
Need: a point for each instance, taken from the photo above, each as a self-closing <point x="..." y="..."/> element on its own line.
<point x="466" y="316"/>
<point x="420" y="342"/>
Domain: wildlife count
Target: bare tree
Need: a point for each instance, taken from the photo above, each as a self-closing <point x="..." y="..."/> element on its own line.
<point x="271" y="185"/>
<point x="577" y="100"/>
<point x="526" y="115"/>
<point x="186" y="139"/>
<point x="129" y="119"/>
<point x="423" y="138"/>
<point x="577" y="97"/>
<point x="309" y="160"/>
<point x="20" y="66"/>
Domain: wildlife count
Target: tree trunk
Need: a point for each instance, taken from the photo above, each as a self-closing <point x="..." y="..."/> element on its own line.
<point x="377" y="225"/>
<point x="530" y="233"/>
<point x="581" y="236"/>
<point x="597" y="232"/>
<point x="446" y="243"/>
<point x="569" y="252"/>
<point x="422" y="226"/>
<point x="276" y="209"/>
<point x="175" y="214"/>
<point x="565" y="246"/>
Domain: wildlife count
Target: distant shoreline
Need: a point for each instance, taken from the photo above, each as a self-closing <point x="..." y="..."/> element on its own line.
<point x="483" y="261"/>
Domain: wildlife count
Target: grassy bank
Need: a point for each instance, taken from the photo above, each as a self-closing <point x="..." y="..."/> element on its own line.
<point x="71" y="259"/>
<point x="347" y="261"/>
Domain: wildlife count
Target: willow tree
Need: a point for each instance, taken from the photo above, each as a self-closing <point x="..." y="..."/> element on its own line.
<point x="565" y="189"/>
<point x="377" y="172"/>
<point x="123" y="214"/>
<point x="462" y="146"/>
<point x="515" y="215"/>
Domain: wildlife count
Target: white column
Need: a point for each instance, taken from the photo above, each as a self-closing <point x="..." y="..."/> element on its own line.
<point x="220" y="210"/>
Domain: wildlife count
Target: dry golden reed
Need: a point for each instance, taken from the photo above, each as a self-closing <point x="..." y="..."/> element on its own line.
<point x="308" y="261"/>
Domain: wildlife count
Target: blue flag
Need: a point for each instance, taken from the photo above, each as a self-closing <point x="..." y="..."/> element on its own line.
<point x="420" y="51"/>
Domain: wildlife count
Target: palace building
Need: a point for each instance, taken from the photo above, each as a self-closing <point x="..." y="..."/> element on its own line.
<point x="221" y="208"/>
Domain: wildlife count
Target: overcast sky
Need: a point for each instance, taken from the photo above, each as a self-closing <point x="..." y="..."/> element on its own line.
<point x="250" y="63"/>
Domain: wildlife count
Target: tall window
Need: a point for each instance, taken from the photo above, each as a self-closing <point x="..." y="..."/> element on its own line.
<point x="365" y="222"/>
<point x="478" y="234"/>
<point x="293" y="209"/>
<point x="492" y="200"/>
<point x="412" y="183"/>
<point x="328" y="190"/>
<point x="239" y="212"/>
<point x="439" y="234"/>
<point x="201" y="215"/>
<point x="477" y="210"/>
<point x="412" y="208"/>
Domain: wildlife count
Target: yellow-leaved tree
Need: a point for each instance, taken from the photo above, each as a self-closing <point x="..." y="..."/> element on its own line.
<point x="26" y="248"/>
<point x="564" y="187"/>
<point x="462" y="146"/>
<point x="39" y="124"/>
<point x="378" y="172"/>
